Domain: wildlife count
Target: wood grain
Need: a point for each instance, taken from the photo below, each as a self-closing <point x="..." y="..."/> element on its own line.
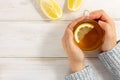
<point x="44" y="69"/>
<point x="30" y="44"/>
<point x="34" y="39"/>
<point x="22" y="10"/>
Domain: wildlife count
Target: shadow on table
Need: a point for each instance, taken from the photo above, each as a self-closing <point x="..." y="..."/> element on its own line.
<point x="51" y="48"/>
<point x="51" y="44"/>
<point x="36" y="5"/>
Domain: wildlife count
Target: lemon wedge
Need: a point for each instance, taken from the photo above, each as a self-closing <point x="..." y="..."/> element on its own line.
<point x="82" y="30"/>
<point x="50" y="8"/>
<point x="74" y="5"/>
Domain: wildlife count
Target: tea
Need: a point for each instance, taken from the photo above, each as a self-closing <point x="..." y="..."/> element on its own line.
<point x="92" y="39"/>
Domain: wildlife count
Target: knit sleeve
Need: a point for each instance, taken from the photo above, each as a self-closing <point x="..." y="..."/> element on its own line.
<point x="111" y="60"/>
<point x="85" y="74"/>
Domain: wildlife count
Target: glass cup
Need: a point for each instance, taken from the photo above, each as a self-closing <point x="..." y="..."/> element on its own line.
<point x="92" y="40"/>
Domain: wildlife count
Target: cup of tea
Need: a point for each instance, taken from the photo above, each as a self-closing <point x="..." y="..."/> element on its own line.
<point x="88" y="35"/>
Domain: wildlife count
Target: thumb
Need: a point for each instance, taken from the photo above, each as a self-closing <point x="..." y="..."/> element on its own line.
<point x="71" y="38"/>
<point x="70" y="35"/>
<point x="104" y="25"/>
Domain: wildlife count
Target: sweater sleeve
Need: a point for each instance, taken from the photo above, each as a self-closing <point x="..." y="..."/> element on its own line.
<point x="111" y="60"/>
<point x="85" y="74"/>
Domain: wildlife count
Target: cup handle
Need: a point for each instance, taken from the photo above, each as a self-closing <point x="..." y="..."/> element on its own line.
<point x="86" y="13"/>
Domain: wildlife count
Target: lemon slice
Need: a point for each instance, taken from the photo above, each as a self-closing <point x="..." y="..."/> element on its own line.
<point x="50" y="8"/>
<point x="82" y="30"/>
<point x="74" y="5"/>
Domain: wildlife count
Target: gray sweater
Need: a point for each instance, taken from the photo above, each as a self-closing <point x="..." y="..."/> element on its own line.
<point x="111" y="60"/>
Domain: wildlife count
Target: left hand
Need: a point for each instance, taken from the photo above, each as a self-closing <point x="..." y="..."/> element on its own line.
<point x="75" y="54"/>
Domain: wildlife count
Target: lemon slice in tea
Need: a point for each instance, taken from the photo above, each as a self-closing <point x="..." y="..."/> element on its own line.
<point x="74" y="5"/>
<point x="82" y="30"/>
<point x="50" y="8"/>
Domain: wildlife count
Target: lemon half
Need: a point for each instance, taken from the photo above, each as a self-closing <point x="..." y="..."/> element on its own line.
<point x="50" y="8"/>
<point x="82" y="30"/>
<point x="74" y="5"/>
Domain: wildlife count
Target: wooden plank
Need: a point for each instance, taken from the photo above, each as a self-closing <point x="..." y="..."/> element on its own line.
<point x="26" y="10"/>
<point x="44" y="69"/>
<point x="27" y="39"/>
<point x="31" y="39"/>
<point x="34" y="39"/>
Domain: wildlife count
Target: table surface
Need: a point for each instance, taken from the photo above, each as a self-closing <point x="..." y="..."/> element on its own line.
<point x="30" y="44"/>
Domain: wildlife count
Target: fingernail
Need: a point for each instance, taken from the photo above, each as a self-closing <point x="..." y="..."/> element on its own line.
<point x="100" y="22"/>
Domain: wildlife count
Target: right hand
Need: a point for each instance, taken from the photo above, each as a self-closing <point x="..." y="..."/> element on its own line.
<point x="107" y="24"/>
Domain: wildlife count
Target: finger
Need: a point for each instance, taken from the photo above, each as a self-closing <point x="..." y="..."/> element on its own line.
<point x="100" y="14"/>
<point x="68" y="35"/>
<point x="72" y="25"/>
<point x="71" y="43"/>
<point x="105" y="26"/>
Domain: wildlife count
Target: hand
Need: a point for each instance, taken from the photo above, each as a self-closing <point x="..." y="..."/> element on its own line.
<point x="107" y="24"/>
<point x="75" y="54"/>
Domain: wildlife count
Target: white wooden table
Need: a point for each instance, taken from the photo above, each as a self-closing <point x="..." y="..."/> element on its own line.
<point x="30" y="44"/>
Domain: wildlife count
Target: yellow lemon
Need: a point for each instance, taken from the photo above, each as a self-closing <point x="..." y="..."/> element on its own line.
<point x="74" y="5"/>
<point x="82" y="30"/>
<point x="50" y="8"/>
